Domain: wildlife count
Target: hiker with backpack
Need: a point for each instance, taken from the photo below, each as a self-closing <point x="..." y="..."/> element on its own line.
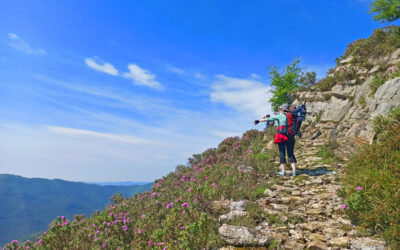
<point x="287" y="128"/>
<point x="301" y="112"/>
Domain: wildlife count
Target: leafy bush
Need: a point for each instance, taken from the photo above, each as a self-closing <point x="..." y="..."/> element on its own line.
<point x="284" y="82"/>
<point x="386" y="11"/>
<point x="371" y="182"/>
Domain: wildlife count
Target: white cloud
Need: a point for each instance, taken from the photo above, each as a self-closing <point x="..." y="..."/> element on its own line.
<point x="19" y="44"/>
<point x="199" y="76"/>
<point x="107" y="136"/>
<point x="107" y="68"/>
<point x="244" y="95"/>
<point x="142" y="77"/>
<point x="176" y="70"/>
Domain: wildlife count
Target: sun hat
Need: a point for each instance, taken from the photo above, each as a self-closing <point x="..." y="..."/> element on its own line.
<point x="284" y="107"/>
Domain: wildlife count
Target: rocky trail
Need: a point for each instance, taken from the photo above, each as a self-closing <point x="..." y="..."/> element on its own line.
<point x="304" y="212"/>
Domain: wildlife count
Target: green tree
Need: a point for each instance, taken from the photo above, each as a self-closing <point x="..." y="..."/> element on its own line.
<point x="285" y="81"/>
<point x="386" y="10"/>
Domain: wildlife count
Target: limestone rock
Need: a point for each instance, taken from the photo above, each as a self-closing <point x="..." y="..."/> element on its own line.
<point x="346" y="60"/>
<point x="367" y="244"/>
<point x="336" y="109"/>
<point x="316" y="244"/>
<point x="269" y="192"/>
<point x="233" y="215"/>
<point x="238" y="205"/>
<point x="240" y="236"/>
<point x="340" y="242"/>
<point x="374" y="69"/>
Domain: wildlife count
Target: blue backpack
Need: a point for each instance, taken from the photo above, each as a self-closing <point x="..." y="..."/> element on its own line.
<point x="301" y="112"/>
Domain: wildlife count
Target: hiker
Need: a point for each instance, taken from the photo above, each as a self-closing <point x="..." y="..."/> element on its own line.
<point x="301" y="112"/>
<point x="284" y="139"/>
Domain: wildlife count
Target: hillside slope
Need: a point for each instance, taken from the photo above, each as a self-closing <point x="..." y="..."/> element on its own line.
<point x="28" y="205"/>
<point x="230" y="196"/>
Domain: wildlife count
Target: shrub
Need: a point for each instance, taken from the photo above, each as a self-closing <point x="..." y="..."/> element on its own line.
<point x="376" y="83"/>
<point x="371" y="182"/>
<point x="327" y="152"/>
<point x="362" y="101"/>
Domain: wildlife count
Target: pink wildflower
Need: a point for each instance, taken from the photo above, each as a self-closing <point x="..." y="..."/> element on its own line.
<point x="190" y="189"/>
<point x="344" y="206"/>
<point x="125" y="227"/>
<point x="143" y="215"/>
<point x="139" y="231"/>
<point x="359" y="188"/>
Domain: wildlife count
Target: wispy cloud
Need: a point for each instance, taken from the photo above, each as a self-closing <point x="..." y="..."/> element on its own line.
<point x="17" y="43"/>
<point x="142" y="77"/>
<point x="138" y="75"/>
<point x="107" y="68"/>
<point x="244" y="95"/>
<point x="107" y="136"/>
<point x="176" y="70"/>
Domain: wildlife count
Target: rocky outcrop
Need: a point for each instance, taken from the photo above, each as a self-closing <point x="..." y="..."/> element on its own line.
<point x="345" y="113"/>
<point x="240" y="236"/>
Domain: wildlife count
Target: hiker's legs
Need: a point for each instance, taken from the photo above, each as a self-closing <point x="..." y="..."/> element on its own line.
<point x="298" y="129"/>
<point x="282" y="155"/>
<point x="290" y="151"/>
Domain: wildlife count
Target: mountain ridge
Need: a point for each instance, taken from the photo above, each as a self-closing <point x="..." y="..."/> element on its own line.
<point x="23" y="198"/>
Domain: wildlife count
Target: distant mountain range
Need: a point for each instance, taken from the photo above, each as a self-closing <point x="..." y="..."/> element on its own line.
<point x="28" y="205"/>
<point x="124" y="183"/>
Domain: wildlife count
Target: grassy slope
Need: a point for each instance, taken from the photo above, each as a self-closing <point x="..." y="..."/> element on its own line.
<point x="29" y="205"/>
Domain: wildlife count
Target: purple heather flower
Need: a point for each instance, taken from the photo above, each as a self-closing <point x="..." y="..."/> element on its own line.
<point x="125" y="227"/>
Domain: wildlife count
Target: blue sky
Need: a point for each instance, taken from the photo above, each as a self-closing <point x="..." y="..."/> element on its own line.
<point x="106" y="91"/>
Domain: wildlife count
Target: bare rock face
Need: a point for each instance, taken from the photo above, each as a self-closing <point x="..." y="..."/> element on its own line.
<point x="240" y="236"/>
<point x="345" y="113"/>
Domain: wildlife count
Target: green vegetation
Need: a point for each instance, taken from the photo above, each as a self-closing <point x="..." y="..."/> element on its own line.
<point x="376" y="83"/>
<point x="372" y="181"/>
<point x="177" y="213"/>
<point x="362" y="101"/>
<point x="386" y="10"/>
<point x="327" y="152"/>
<point x="382" y="42"/>
<point x="29" y="205"/>
<point x="290" y="79"/>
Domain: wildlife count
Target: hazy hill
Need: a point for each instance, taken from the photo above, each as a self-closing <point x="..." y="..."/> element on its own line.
<point x="28" y="205"/>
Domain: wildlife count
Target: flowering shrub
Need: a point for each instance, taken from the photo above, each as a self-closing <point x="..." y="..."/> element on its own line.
<point x="383" y="41"/>
<point x="372" y="182"/>
<point x="177" y="212"/>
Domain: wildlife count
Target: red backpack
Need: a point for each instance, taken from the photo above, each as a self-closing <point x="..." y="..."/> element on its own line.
<point x="292" y="124"/>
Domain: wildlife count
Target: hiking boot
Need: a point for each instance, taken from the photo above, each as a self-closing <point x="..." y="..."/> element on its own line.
<point x="294" y="173"/>
<point x="282" y="173"/>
